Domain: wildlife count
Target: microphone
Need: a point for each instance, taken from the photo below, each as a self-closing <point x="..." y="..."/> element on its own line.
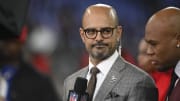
<point x="79" y="93"/>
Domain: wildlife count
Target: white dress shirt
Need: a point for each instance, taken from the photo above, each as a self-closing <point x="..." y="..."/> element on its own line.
<point x="177" y="71"/>
<point x="104" y="67"/>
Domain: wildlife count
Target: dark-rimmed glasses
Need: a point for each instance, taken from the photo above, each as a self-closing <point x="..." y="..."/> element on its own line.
<point x="106" y="32"/>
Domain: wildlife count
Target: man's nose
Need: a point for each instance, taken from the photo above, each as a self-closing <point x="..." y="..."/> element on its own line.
<point x="99" y="36"/>
<point x="150" y="50"/>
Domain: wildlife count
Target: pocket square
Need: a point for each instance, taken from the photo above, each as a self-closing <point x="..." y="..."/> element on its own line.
<point x="112" y="95"/>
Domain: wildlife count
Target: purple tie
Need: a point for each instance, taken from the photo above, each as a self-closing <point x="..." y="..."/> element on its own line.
<point x="92" y="82"/>
<point x="175" y="95"/>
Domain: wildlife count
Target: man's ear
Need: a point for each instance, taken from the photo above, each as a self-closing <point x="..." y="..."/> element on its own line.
<point x="119" y="32"/>
<point x="81" y="31"/>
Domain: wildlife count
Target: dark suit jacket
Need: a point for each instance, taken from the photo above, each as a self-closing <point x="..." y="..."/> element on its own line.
<point x="29" y="85"/>
<point x="124" y="82"/>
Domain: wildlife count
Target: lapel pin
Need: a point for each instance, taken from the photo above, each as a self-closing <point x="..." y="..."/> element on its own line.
<point x="113" y="79"/>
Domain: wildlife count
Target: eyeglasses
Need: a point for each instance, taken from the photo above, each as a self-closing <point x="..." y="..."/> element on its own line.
<point x="106" y="32"/>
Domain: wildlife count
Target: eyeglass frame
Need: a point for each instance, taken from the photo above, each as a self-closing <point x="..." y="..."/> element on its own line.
<point x="101" y="32"/>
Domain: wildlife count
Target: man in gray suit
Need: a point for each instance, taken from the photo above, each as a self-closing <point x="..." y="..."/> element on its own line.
<point x="117" y="79"/>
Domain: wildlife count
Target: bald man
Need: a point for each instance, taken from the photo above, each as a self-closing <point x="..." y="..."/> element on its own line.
<point x="162" y="34"/>
<point x="162" y="79"/>
<point x="117" y="79"/>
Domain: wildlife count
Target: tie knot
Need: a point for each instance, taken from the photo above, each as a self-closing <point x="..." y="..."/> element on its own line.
<point x="94" y="70"/>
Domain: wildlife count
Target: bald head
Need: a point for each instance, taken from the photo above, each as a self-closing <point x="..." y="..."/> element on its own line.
<point x="100" y="31"/>
<point x="100" y="9"/>
<point x="167" y="18"/>
<point x="162" y="34"/>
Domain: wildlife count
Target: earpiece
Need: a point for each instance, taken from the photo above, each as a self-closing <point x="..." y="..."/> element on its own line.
<point x="178" y="45"/>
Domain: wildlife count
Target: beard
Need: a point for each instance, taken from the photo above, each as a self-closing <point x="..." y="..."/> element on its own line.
<point x="100" y="55"/>
<point x="168" y="66"/>
<point x="163" y="69"/>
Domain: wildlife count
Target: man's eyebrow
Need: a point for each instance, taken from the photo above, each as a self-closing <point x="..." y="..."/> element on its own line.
<point x="151" y="41"/>
<point x="146" y="40"/>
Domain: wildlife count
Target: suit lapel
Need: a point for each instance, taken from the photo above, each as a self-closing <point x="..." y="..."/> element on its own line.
<point x="84" y="72"/>
<point x="112" y="78"/>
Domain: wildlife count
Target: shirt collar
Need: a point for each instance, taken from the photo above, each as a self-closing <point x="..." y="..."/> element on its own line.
<point x="105" y="65"/>
<point x="177" y="69"/>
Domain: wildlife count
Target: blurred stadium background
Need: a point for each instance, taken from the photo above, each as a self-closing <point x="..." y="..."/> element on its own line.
<point x="54" y="30"/>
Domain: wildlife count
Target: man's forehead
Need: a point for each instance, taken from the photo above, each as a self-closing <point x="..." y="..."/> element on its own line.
<point x="97" y="11"/>
<point x="155" y="31"/>
<point x="98" y="20"/>
<point x="150" y="38"/>
<point x="160" y="33"/>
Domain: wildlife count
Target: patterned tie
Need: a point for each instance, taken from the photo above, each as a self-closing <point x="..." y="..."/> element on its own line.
<point x="175" y="95"/>
<point x="92" y="82"/>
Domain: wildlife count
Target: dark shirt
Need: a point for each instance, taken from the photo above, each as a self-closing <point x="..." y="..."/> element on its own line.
<point x="29" y="85"/>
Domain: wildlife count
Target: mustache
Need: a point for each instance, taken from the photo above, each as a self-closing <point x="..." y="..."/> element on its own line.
<point x="99" y="44"/>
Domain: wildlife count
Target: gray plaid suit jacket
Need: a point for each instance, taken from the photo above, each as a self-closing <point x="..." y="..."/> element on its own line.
<point x="124" y="82"/>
